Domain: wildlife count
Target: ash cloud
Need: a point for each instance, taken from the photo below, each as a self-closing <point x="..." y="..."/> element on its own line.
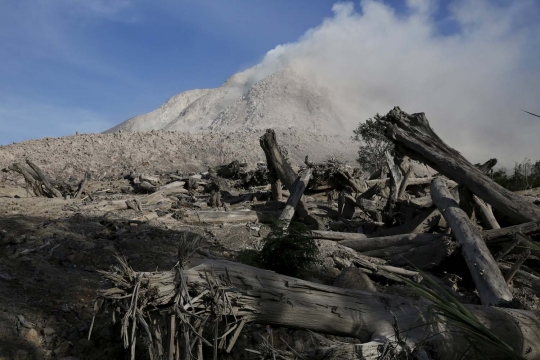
<point x="471" y="81"/>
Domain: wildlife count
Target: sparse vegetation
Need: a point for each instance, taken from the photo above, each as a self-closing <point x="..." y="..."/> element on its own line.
<point x="373" y="144"/>
<point x="288" y="251"/>
<point x="525" y="175"/>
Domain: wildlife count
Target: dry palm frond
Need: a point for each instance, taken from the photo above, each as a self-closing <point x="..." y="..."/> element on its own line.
<point x="452" y="312"/>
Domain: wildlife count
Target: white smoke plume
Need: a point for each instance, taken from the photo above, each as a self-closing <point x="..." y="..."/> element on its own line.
<point x="470" y="81"/>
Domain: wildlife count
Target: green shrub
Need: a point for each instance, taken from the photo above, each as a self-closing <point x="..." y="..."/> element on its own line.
<point x="373" y="144"/>
<point x="288" y="251"/>
<point x="249" y="257"/>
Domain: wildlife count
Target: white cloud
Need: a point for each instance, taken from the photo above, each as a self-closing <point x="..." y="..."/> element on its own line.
<point x="471" y="84"/>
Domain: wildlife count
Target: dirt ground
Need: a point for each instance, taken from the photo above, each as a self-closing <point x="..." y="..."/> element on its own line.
<point x="52" y="249"/>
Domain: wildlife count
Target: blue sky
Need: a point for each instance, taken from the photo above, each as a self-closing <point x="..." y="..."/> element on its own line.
<point x="87" y="65"/>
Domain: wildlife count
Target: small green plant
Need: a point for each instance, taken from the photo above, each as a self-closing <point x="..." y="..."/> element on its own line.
<point x="374" y="144"/>
<point x="288" y="251"/>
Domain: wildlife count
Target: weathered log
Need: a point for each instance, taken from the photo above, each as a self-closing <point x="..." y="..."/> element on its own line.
<point x="146" y="186"/>
<point x="405" y="183"/>
<point x="374" y="243"/>
<point x="534" y="192"/>
<point x="412" y="181"/>
<point x="174" y="187"/>
<point x="517" y="265"/>
<point x="423" y="256"/>
<point x="152" y="179"/>
<point x="297" y="191"/>
<point x="421" y="250"/>
<point x="276" y="160"/>
<point x="486" y="167"/>
<point x="285" y="173"/>
<point x="215" y="199"/>
<point x="492" y="289"/>
<point x="486" y="213"/>
<point x="29" y="179"/>
<point x="80" y="189"/>
<point x="216" y="217"/>
<point x="230" y="289"/>
<point x="523" y="279"/>
<point x="396" y="176"/>
<point x="494" y="236"/>
<point x="230" y="170"/>
<point x="414" y="137"/>
<point x="275" y="187"/>
<point x="426" y="219"/>
<point x="44" y="180"/>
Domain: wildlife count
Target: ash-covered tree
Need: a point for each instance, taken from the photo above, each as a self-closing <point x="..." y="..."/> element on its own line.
<point x="373" y="144"/>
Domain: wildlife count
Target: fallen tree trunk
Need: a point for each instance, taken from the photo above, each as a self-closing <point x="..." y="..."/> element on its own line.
<point x="492" y="289"/>
<point x="297" y="190"/>
<point x="285" y="173"/>
<point x="411" y="182"/>
<point x="44" y="180"/>
<point x="80" y="189"/>
<point x="219" y="290"/>
<point x="34" y="184"/>
<point x="414" y="137"/>
<point x="494" y="236"/>
<point x="216" y="217"/>
<point x="486" y="213"/>
<point x="382" y="242"/>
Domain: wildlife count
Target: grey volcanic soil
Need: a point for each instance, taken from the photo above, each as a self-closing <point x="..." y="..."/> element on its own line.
<point x="108" y="156"/>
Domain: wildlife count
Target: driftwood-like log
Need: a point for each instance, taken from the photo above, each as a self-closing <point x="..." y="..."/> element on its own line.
<point x="146" y="186"/>
<point x="414" y="137"/>
<point x="34" y="184"/>
<point x="423" y="256"/>
<point x="152" y="179"/>
<point x="495" y="235"/>
<point x="421" y="223"/>
<point x="297" y="190"/>
<point x="396" y="175"/>
<point x="421" y="250"/>
<point x="492" y="289"/>
<point x="80" y="189"/>
<point x="411" y="182"/>
<point x="44" y="180"/>
<point x="374" y="243"/>
<point x="275" y="187"/>
<point x="405" y="183"/>
<point x="285" y="173"/>
<point x="243" y="293"/>
<point x="486" y="213"/>
<point x="517" y="265"/>
<point x="276" y="160"/>
<point x="216" y="217"/>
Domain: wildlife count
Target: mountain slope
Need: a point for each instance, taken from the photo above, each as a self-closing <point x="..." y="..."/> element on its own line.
<point x="164" y="114"/>
<point x="253" y="99"/>
<point x="284" y="100"/>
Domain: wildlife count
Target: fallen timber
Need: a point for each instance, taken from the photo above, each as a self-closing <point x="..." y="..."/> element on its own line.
<point x="489" y="281"/>
<point x="218" y="290"/>
<point x="414" y="137"/>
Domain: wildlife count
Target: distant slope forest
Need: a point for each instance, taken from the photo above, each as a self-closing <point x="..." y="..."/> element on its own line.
<point x="525" y="175"/>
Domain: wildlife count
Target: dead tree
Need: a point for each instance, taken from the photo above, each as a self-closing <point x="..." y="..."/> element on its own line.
<point x="489" y="281"/>
<point x="297" y="190"/>
<point x="44" y="180"/>
<point x="285" y="173"/>
<point x="414" y="137"/>
<point x="216" y="291"/>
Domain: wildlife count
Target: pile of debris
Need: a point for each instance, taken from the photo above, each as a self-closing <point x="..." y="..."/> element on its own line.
<point x="439" y="235"/>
